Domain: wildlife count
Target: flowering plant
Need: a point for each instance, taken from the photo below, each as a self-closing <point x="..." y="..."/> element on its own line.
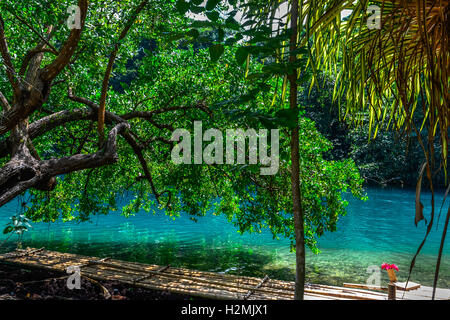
<point x="387" y="266"/>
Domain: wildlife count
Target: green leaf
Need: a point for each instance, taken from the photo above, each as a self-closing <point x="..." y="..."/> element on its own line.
<point x="287" y="117"/>
<point x="196" y="9"/>
<point x="249" y="23"/>
<point x="211" y="4"/>
<point x="201" y="24"/>
<point x="301" y="50"/>
<point x="182" y="6"/>
<point x="241" y="55"/>
<point x="230" y="41"/>
<point x="303" y="79"/>
<point x="213" y="16"/>
<point x="216" y="51"/>
<point x="193" y="33"/>
<point x="264" y="87"/>
<point x="232" y="23"/>
<point x="220" y="34"/>
<point x="8" y="229"/>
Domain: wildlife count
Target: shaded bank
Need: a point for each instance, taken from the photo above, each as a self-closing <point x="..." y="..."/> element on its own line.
<point x="37" y="284"/>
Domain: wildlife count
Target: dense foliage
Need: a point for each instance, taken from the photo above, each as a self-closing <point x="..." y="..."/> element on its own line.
<point x="163" y="78"/>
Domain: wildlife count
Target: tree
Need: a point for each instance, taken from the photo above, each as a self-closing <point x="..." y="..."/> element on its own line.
<point x="297" y="209"/>
<point x="267" y="36"/>
<point x="30" y="89"/>
<point x="56" y="62"/>
<point x="61" y="162"/>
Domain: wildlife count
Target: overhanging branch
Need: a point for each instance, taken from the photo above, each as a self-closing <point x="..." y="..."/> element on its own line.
<point x="21" y="174"/>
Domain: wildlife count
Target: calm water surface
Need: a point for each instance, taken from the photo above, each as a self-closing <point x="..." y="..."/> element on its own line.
<point x="379" y="230"/>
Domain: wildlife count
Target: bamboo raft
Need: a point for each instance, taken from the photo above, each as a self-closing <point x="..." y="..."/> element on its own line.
<point x="199" y="284"/>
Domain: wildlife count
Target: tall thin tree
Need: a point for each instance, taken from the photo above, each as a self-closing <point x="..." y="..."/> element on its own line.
<point x="297" y="209"/>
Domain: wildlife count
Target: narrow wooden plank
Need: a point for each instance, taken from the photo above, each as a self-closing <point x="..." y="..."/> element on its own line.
<point x="411" y="286"/>
<point x="363" y="286"/>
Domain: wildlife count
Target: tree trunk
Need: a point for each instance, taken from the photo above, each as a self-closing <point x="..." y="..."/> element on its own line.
<point x="297" y="209"/>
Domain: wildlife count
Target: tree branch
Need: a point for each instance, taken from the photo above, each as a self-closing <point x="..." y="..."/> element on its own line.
<point x="137" y="148"/>
<point x="10" y="71"/>
<point x="4" y="102"/>
<point x="23" y="173"/>
<point x="57" y="119"/>
<point x="10" y="10"/>
<point x="107" y="76"/>
<point x="53" y="69"/>
<point x="30" y="54"/>
<point x="33" y="61"/>
<point x="116" y="118"/>
<point x="107" y="155"/>
<point x="148" y="114"/>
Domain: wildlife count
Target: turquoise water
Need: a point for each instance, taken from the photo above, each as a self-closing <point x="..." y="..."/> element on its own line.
<point x="379" y="230"/>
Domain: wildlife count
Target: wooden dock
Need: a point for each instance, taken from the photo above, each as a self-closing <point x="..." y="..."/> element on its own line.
<point x="195" y="283"/>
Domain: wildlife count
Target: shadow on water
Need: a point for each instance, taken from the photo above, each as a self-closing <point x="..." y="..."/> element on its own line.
<point x="236" y="260"/>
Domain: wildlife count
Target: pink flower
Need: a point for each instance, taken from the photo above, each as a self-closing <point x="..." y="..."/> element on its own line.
<point x="387" y="266"/>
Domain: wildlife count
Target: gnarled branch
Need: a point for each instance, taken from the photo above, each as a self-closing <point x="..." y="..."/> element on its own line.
<point x="22" y="173"/>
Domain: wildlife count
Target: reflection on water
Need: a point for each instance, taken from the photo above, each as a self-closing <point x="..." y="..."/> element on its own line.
<point x="379" y="230"/>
